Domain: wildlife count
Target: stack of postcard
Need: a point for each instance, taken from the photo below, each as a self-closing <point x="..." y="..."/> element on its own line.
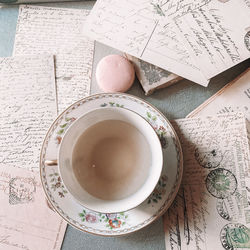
<point x="194" y="39"/>
<point x="212" y="208"/>
<point x="51" y="69"/>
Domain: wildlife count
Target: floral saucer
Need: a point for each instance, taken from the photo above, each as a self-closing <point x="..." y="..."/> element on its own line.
<point x="122" y="223"/>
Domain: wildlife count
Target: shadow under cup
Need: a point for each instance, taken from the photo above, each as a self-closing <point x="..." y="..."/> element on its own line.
<point x="110" y="160"/>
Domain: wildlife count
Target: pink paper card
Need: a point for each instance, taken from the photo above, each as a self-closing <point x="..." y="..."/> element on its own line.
<point x="26" y="221"/>
<point x="28" y="107"/>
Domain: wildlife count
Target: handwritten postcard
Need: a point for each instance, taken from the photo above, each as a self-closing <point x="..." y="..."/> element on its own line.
<point x="213" y="38"/>
<point x="58" y="32"/>
<point x="234" y="97"/>
<point x="195" y="39"/>
<point x="211" y="210"/>
<point x="142" y="30"/>
<point x="26" y="222"/>
<point x="28" y="107"/>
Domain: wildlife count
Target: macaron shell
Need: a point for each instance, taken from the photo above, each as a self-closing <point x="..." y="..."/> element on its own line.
<point x="114" y="73"/>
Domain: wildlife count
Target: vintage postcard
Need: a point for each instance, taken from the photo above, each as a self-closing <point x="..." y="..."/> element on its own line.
<point x="26" y="222"/>
<point x="142" y="30"/>
<point x="213" y="38"/>
<point x="234" y="97"/>
<point x="211" y="210"/>
<point x="195" y="39"/>
<point x="28" y="107"/>
<point x="58" y="32"/>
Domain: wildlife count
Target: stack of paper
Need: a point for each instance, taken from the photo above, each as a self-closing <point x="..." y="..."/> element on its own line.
<point x="59" y="32"/>
<point x="51" y="69"/>
<point x="28" y="104"/>
<point x="212" y="208"/>
<point x="195" y="39"/>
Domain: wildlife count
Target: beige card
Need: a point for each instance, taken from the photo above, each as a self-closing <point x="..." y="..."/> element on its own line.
<point x="59" y="32"/>
<point x="211" y="210"/>
<point x="234" y="97"/>
<point x="144" y="30"/>
<point x="194" y="39"/>
<point x="26" y="222"/>
<point x="28" y="107"/>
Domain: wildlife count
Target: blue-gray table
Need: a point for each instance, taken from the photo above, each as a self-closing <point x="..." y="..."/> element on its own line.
<point x="175" y="102"/>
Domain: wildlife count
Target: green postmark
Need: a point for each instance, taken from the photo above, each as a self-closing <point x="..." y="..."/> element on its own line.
<point x="221" y="183"/>
<point x="235" y="235"/>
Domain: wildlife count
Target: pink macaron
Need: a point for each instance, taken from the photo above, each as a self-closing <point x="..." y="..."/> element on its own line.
<point x="114" y="73"/>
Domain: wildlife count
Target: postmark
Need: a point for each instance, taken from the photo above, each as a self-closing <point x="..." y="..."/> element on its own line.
<point x="208" y="158"/>
<point x="247" y="40"/>
<point x="228" y="208"/>
<point x="21" y="190"/>
<point x="235" y="235"/>
<point x="221" y="183"/>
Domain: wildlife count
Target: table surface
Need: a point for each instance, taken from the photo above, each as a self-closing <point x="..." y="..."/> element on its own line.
<point x="175" y="102"/>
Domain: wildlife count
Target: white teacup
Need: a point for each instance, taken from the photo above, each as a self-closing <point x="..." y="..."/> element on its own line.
<point x="110" y="160"/>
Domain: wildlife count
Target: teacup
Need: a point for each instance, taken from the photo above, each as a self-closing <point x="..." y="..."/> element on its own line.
<point x="110" y="160"/>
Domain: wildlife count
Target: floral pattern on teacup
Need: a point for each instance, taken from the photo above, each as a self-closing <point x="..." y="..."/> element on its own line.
<point x="152" y="119"/>
<point x="111" y="221"/>
<point x="159" y="191"/>
<point x="63" y="128"/>
<point x="160" y="130"/>
<point x="112" y="104"/>
<point x="113" y="226"/>
<point x="57" y="185"/>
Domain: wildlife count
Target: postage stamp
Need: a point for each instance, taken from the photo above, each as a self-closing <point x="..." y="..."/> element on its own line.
<point x="221" y="183"/>
<point x="21" y="190"/>
<point x="235" y="235"/>
<point x="208" y="158"/>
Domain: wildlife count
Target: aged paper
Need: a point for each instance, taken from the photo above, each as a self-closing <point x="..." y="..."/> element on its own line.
<point x="213" y="38"/>
<point x="234" y="97"/>
<point x="59" y="32"/>
<point x="211" y="210"/>
<point x="142" y="30"/>
<point x="26" y="222"/>
<point x="152" y="77"/>
<point x="28" y="107"/>
<point x="195" y="39"/>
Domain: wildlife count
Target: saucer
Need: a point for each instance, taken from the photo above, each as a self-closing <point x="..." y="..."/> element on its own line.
<point x="121" y="223"/>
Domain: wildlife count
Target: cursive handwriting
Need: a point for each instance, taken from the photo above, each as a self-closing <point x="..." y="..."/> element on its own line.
<point x="5" y="239"/>
<point x="209" y="143"/>
<point x="28" y="108"/>
<point x="59" y="32"/>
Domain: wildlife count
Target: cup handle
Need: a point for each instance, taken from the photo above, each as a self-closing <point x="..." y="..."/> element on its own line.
<point x="48" y="163"/>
